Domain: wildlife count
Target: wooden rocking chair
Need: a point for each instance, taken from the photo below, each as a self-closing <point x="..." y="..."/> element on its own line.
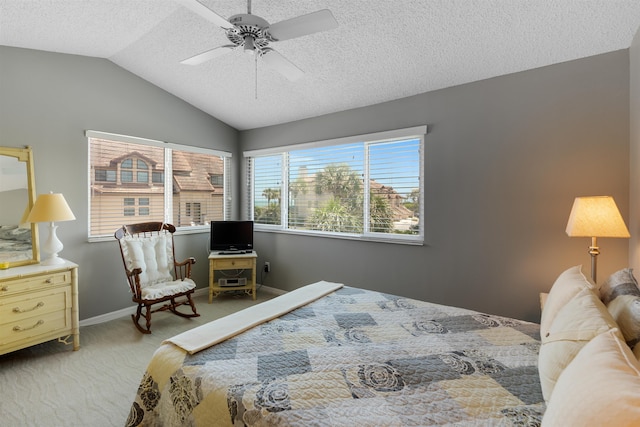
<point x="148" y="257"/>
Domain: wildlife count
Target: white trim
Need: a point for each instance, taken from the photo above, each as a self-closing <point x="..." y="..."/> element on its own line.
<point x="416" y="131"/>
<point x="131" y="310"/>
<point x="403" y="239"/>
<point x="155" y="143"/>
<point x="107" y="316"/>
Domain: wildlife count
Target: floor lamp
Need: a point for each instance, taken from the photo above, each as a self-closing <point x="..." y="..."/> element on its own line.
<point x="595" y="216"/>
<point x="51" y="208"/>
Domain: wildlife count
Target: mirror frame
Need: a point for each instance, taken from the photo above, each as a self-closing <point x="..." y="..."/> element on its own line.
<point x="26" y="155"/>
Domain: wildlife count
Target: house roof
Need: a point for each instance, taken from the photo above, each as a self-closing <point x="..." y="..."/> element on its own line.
<point x="382" y="50"/>
<point x="191" y="171"/>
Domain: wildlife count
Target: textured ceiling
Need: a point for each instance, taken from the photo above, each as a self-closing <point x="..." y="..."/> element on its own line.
<point x="382" y="49"/>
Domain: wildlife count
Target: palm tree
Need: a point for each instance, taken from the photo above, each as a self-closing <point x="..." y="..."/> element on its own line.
<point x="339" y="180"/>
<point x="336" y="217"/>
<point x="269" y="214"/>
<point x="272" y="194"/>
<point x="380" y="215"/>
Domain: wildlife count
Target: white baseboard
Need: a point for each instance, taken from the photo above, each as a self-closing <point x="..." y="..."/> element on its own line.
<point x="131" y="310"/>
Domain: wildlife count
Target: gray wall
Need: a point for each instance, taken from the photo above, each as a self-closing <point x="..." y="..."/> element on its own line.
<point x="504" y="159"/>
<point x="634" y="187"/>
<point x="48" y="100"/>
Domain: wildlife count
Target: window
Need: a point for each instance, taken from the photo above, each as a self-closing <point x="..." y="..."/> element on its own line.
<point x="134" y="177"/>
<point x="128" y="209"/>
<point x="157" y="177"/>
<point x="105" y="175"/>
<point x="358" y="187"/>
<point x="143" y="206"/>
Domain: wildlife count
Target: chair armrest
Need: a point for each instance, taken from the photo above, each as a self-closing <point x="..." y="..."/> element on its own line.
<point x="183" y="269"/>
<point x="133" y="277"/>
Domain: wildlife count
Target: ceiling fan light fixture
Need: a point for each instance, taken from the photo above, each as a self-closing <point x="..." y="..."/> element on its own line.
<point x="254" y="34"/>
<point x="249" y="45"/>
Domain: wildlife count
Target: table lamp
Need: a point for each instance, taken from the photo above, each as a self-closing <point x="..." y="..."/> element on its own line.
<point x="595" y="216"/>
<point x="51" y="208"/>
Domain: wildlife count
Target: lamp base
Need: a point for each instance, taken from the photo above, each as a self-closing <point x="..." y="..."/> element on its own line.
<point x="53" y="260"/>
<point x="52" y="246"/>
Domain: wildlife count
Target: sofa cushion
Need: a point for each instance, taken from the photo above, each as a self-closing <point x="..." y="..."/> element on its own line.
<point x="600" y="387"/>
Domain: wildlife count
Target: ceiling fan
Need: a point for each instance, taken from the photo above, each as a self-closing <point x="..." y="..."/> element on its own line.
<point x="254" y="34"/>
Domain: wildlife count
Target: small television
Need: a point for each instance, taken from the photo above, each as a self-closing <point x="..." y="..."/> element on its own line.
<point x="231" y="236"/>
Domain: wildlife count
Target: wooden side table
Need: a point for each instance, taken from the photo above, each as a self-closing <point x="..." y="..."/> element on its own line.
<point x="218" y="262"/>
<point x="38" y="303"/>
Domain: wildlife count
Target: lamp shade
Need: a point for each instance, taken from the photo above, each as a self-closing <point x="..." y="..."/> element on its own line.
<point x="50" y="207"/>
<point x="596" y="216"/>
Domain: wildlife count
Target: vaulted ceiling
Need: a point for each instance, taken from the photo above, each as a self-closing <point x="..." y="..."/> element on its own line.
<point x="381" y="50"/>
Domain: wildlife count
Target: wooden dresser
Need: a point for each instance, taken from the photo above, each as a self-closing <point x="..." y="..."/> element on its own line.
<point x="38" y="303"/>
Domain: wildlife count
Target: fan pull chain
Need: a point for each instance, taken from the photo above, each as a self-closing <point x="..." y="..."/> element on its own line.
<point x="255" y="58"/>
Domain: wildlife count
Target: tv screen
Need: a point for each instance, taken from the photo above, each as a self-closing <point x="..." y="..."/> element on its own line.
<point x="231" y="236"/>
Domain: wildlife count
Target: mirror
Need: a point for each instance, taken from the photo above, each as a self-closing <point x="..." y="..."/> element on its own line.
<point x="18" y="240"/>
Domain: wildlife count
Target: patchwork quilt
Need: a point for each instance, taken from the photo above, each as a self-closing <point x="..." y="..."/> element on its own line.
<point x="352" y="358"/>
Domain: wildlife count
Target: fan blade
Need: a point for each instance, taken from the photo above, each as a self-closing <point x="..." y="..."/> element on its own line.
<point x="206" y="13"/>
<point x="303" y="25"/>
<point x="275" y="60"/>
<point x="209" y="54"/>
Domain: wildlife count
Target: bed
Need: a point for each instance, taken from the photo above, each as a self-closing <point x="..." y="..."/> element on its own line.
<point x="328" y="354"/>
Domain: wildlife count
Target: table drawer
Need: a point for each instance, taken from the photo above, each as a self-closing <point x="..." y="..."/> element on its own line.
<point x="33" y="283"/>
<point x="229" y="264"/>
<point x="23" y="306"/>
<point x="35" y="326"/>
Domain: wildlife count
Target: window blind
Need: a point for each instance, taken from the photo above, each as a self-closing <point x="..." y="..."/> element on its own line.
<point x="369" y="187"/>
<point x="135" y="180"/>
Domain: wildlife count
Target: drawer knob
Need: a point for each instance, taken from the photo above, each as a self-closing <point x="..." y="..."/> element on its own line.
<point x="20" y="328"/>
<point x="5" y="288"/>
<point x="49" y="281"/>
<point x="35" y="307"/>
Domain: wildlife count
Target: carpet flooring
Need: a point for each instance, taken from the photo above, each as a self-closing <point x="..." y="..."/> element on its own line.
<point x="51" y="385"/>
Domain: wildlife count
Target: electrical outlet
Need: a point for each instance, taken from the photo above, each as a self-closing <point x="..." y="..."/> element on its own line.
<point x="267" y="267"/>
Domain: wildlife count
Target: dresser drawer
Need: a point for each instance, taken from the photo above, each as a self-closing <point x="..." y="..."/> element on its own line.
<point x="229" y="264"/>
<point x="35" y="326"/>
<point x="33" y="283"/>
<point x="23" y="306"/>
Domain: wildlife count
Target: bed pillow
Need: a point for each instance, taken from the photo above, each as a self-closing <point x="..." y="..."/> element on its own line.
<point x="621" y="295"/>
<point x="622" y="282"/>
<point x="601" y="387"/>
<point x="566" y="286"/>
<point x="576" y="323"/>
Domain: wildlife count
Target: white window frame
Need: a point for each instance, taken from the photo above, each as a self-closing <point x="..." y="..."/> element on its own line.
<point x="168" y="178"/>
<point x="417" y="132"/>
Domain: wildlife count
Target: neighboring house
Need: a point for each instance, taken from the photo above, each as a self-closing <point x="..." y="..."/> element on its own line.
<point x="403" y="217"/>
<point x="129" y="186"/>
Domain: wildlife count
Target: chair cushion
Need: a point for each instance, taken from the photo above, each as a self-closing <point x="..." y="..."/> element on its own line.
<point x="165" y="289"/>
<point x="152" y="254"/>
